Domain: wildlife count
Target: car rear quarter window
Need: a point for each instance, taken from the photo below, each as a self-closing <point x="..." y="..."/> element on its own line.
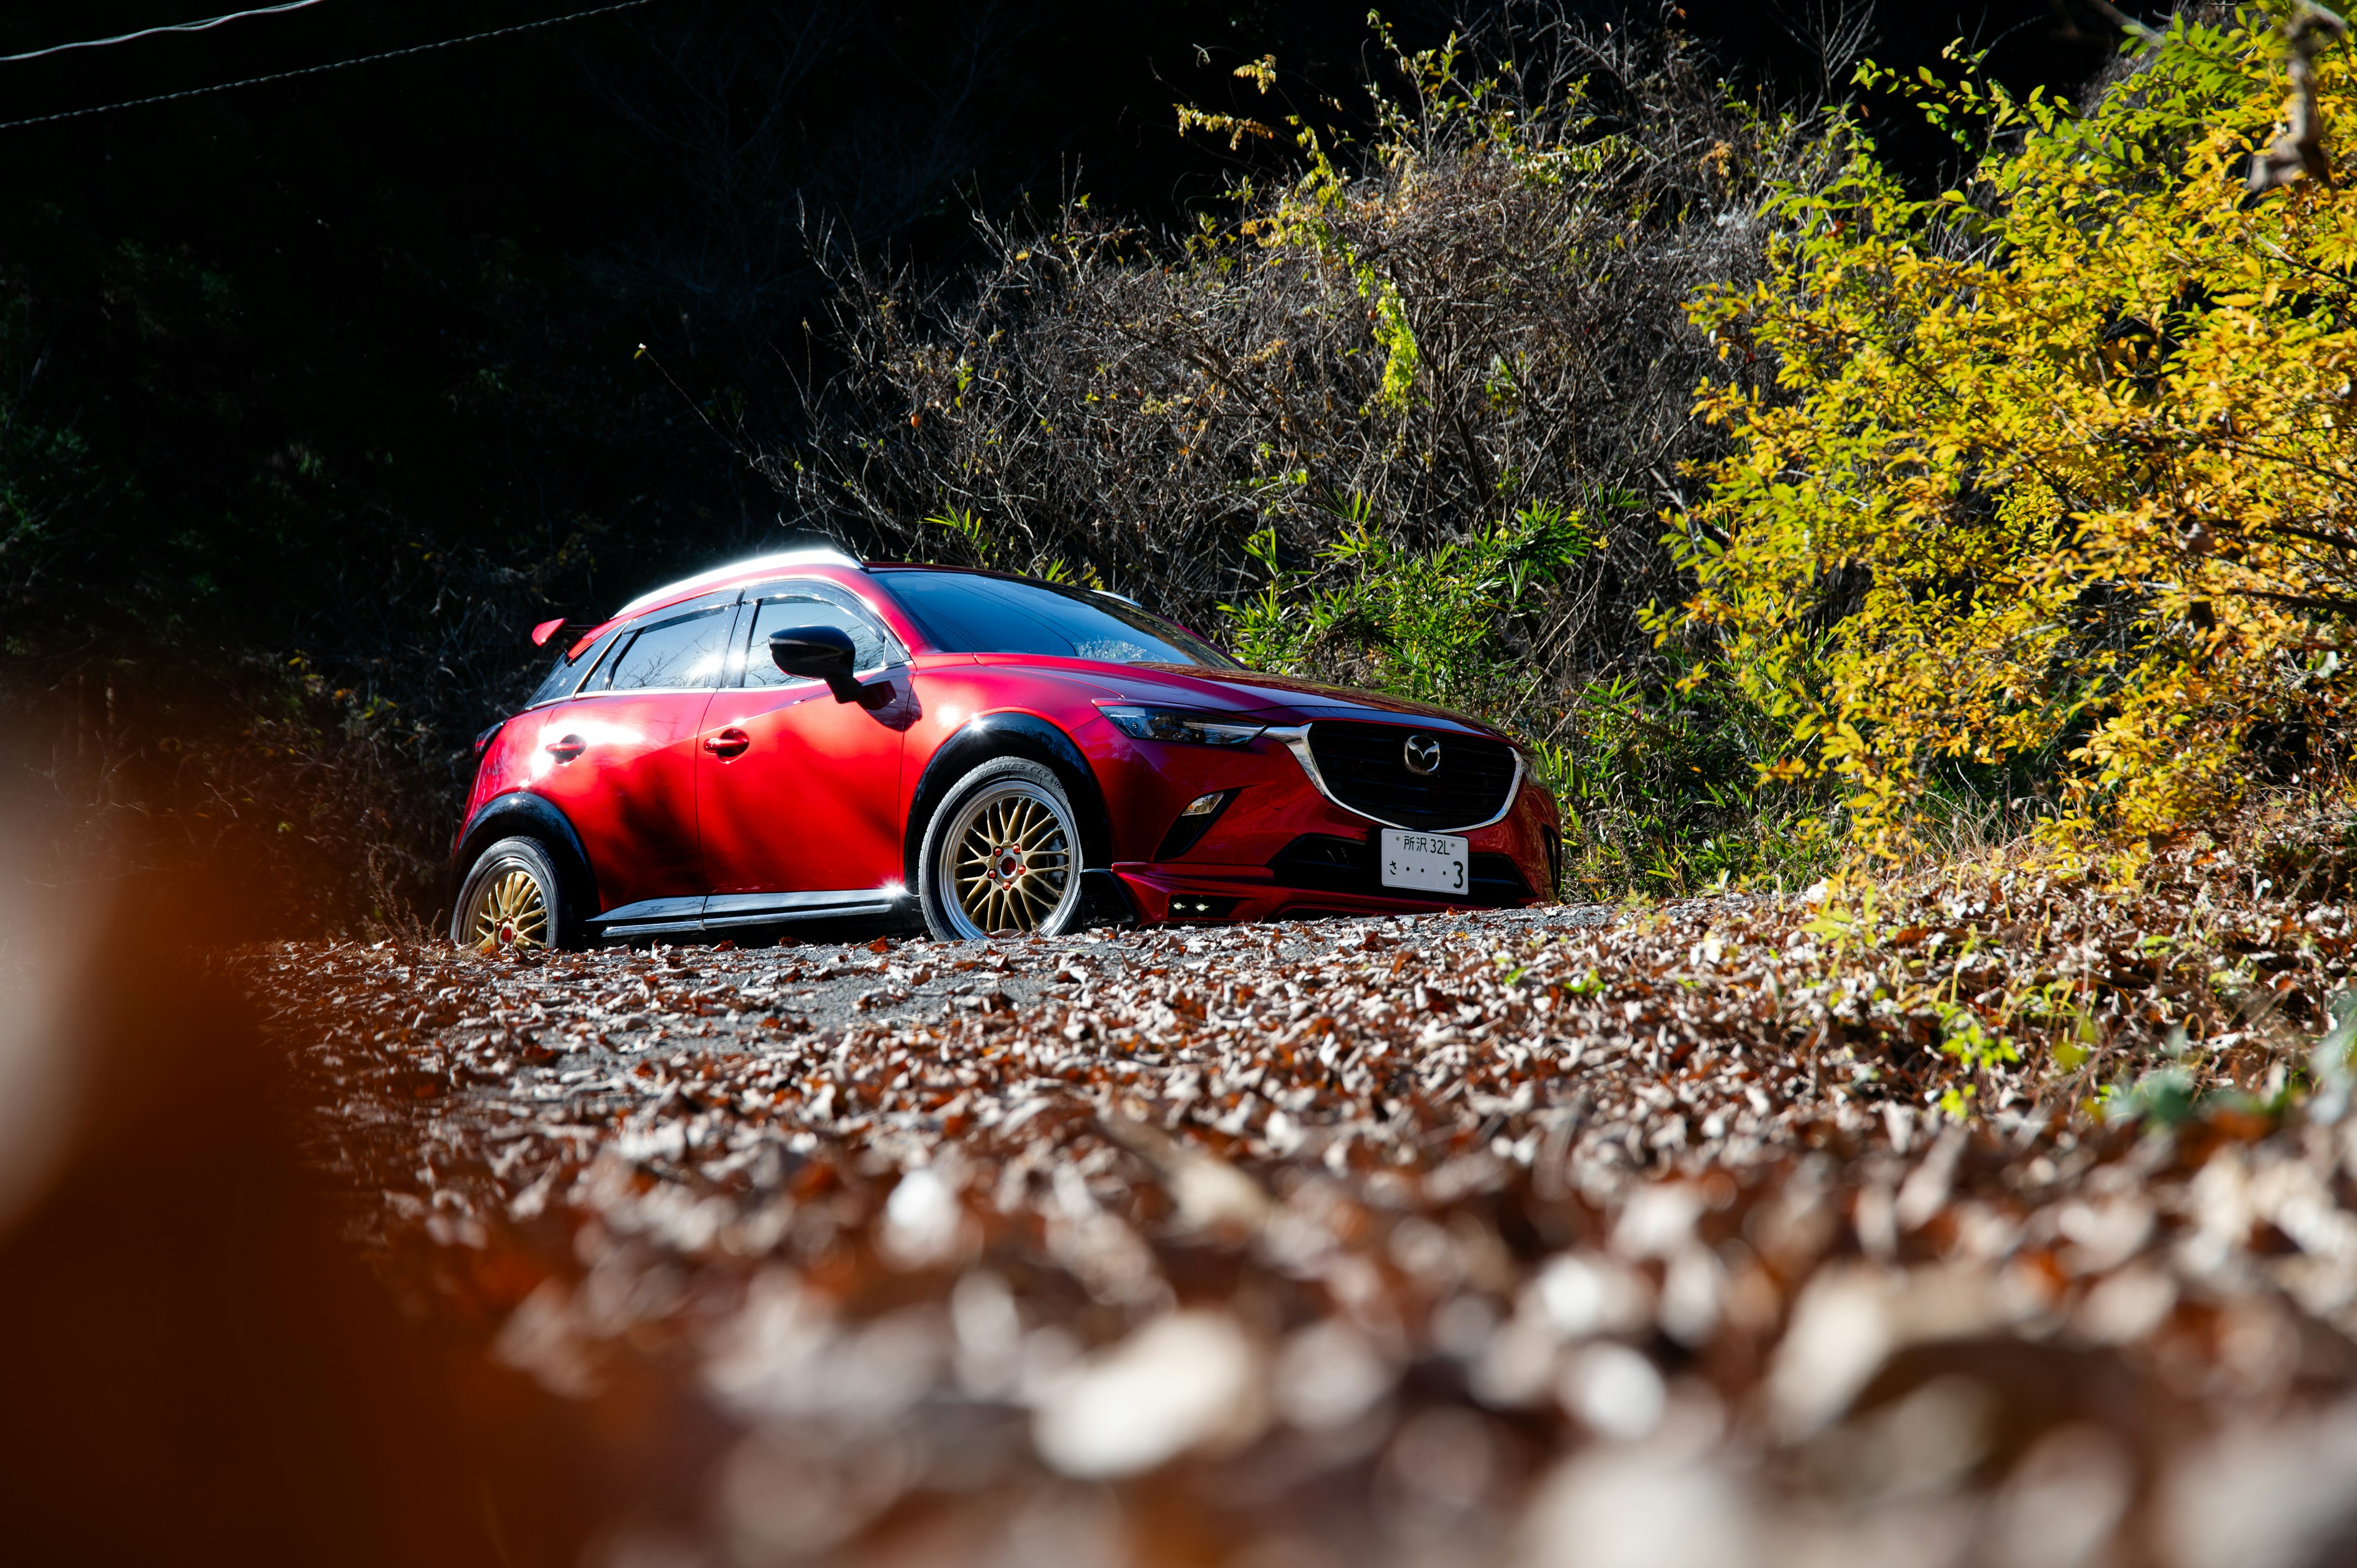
<point x="680" y="651"/>
<point x="564" y="676"/>
<point x="962" y="612"/>
<point x="872" y="647"/>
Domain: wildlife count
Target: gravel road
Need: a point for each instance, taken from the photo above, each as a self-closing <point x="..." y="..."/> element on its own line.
<point x="865" y="981"/>
<point x="1564" y="1235"/>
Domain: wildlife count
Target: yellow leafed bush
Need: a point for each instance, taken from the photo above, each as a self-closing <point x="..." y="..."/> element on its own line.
<point x="2058" y="471"/>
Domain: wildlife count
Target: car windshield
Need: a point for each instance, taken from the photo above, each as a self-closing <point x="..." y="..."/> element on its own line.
<point x="964" y="612"/>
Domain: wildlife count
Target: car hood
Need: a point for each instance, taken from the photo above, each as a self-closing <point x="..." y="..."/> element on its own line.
<point x="1274" y="699"/>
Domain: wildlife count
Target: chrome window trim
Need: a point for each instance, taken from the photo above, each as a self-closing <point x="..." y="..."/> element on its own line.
<point x="645" y="692"/>
<point x="1296" y="741"/>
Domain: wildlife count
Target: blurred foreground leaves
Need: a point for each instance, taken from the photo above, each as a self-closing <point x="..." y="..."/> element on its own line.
<point x="1741" y="1230"/>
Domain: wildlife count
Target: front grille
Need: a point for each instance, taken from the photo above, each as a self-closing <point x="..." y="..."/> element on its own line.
<point x="1366" y="767"/>
<point x="1328" y="864"/>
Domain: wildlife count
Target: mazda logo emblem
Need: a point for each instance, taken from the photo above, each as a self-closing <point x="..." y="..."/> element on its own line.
<point x="1422" y="753"/>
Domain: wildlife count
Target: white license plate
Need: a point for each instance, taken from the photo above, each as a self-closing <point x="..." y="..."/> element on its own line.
<point x="1429" y="863"/>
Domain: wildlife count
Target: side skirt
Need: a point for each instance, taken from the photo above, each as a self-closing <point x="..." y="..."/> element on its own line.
<point x="725" y="911"/>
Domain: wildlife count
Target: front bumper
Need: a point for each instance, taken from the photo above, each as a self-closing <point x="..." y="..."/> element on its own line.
<point x="1282" y="845"/>
<point x="1324" y="863"/>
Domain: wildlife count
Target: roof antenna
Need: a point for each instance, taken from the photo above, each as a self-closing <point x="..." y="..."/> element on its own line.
<point x="649" y="356"/>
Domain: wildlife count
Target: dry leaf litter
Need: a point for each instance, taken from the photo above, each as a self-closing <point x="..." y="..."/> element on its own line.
<point x="1988" y="1218"/>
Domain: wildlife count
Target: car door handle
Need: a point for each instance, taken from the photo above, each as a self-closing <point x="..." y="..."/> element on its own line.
<point x="565" y="748"/>
<point x="730" y="742"/>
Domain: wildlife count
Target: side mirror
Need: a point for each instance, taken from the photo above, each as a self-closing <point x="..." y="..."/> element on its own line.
<point x="817" y="653"/>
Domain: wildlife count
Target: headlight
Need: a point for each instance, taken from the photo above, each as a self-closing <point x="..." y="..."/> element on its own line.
<point x="1190" y="729"/>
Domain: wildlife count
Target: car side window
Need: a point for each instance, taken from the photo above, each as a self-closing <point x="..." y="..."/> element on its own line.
<point x="683" y="652"/>
<point x="565" y="678"/>
<point x="872" y="647"/>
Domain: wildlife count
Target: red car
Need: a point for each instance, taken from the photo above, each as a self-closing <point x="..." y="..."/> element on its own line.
<point x="804" y="737"/>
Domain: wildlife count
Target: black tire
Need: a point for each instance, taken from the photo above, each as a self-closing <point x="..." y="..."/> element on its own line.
<point x="1042" y="894"/>
<point x="491" y="916"/>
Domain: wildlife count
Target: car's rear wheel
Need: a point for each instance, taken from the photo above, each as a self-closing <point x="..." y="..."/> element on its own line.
<point x="511" y="901"/>
<point x="1002" y="854"/>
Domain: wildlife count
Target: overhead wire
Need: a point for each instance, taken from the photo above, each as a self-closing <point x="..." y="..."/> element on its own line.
<point x="317" y="69"/>
<point x="206" y="26"/>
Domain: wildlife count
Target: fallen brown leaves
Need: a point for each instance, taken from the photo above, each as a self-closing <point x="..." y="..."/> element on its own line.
<point x="1735" y="1232"/>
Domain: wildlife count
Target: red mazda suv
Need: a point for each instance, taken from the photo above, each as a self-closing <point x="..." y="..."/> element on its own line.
<point x="804" y="737"/>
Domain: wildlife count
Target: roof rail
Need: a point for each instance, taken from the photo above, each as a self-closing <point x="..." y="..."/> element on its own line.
<point x="810" y="555"/>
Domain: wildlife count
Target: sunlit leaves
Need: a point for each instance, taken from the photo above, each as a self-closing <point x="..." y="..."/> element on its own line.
<point x="2055" y="464"/>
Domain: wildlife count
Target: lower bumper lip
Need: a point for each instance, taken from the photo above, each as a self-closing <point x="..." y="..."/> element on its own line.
<point x="1257" y="894"/>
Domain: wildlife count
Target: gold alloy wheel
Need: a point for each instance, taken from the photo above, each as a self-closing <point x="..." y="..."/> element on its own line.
<point x="1011" y="860"/>
<point x="511" y="911"/>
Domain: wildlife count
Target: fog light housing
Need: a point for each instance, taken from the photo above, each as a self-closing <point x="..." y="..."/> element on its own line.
<point x="1193" y="824"/>
<point x="1188" y="906"/>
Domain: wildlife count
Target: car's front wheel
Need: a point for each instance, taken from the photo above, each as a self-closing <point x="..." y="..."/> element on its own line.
<point x="511" y="901"/>
<point x="1002" y="854"/>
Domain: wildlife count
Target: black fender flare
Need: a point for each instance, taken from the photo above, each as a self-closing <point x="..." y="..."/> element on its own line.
<point x="989" y="735"/>
<point x="520" y="813"/>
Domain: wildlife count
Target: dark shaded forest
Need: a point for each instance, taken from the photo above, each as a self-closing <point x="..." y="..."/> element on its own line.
<point x="315" y="393"/>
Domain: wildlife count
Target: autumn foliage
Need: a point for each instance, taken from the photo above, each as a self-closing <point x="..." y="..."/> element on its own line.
<point x="2053" y="481"/>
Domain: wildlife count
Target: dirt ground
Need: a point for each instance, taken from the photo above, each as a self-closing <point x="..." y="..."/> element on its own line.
<point x="1560" y="1236"/>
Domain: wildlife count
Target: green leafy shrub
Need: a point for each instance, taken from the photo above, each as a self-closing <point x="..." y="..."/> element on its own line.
<point x="1453" y="626"/>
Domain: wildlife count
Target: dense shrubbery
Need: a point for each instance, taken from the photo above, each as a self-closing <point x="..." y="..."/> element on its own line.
<point x="1412" y="415"/>
<point x="2030" y="495"/>
<point x="2052" y="495"/>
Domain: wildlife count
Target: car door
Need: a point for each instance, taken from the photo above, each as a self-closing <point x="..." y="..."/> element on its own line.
<point x="799" y="793"/>
<point x="620" y="759"/>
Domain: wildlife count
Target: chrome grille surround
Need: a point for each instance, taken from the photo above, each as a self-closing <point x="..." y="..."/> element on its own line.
<point x="1296" y="740"/>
